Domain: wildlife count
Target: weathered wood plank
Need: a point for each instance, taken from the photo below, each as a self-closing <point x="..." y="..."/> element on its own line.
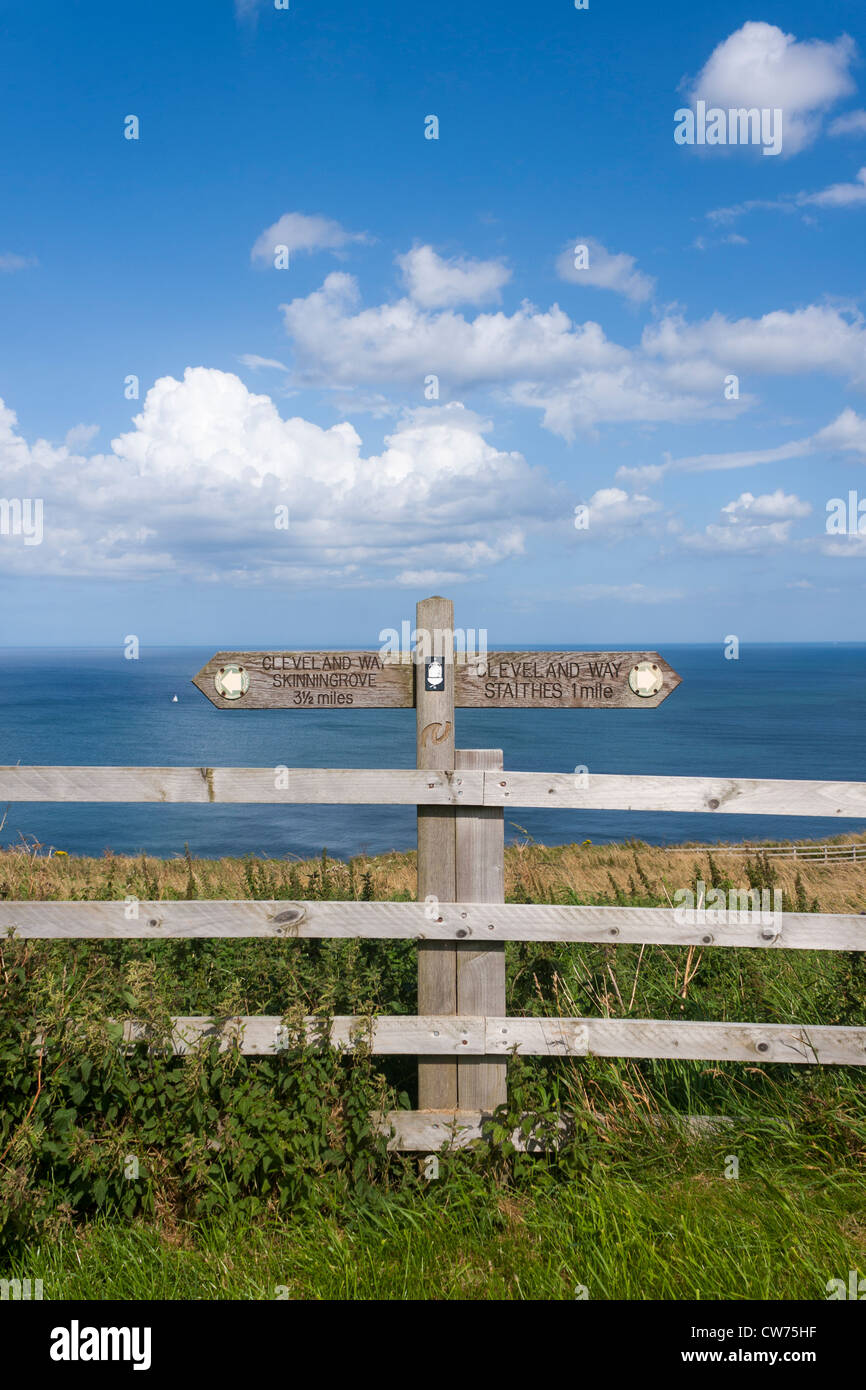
<point x="437" y="881"/>
<point x="265" y="1035"/>
<point x="473" y="923"/>
<point x="737" y="1042"/>
<point x="305" y="680"/>
<point x="480" y="877"/>
<point x="428" y="1131"/>
<point x="563" y="680"/>
<point x="723" y="795"/>
<point x="282" y="785"/>
<point x="433" y="787"/>
<point x="566" y="1037"/>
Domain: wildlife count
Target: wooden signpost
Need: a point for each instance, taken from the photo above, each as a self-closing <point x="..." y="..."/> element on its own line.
<point x="305" y="680"/>
<point x="460" y="850"/>
<point x="494" y="680"/>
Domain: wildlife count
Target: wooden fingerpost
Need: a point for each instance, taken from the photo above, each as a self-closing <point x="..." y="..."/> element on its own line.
<point x="480" y="849"/>
<point x="437" y="960"/>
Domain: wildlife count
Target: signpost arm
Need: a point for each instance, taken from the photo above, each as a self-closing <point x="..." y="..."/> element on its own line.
<point x="480" y="841"/>
<point x="437" y="961"/>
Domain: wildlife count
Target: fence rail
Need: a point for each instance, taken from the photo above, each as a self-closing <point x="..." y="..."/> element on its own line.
<point x="475" y="924"/>
<point x="413" y="786"/>
<point x="823" y="853"/>
<point x="464" y="1036"/>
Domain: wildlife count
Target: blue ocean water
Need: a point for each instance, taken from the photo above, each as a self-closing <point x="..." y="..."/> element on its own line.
<point x="778" y="711"/>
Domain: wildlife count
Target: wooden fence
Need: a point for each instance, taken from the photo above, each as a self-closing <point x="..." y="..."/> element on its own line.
<point x="462" y="1036"/>
<point x="846" y="853"/>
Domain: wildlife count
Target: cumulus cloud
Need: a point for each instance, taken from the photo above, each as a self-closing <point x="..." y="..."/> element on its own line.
<point x="777" y="506"/>
<point x="570" y="371"/>
<point x="436" y="283"/>
<point x="819" y="338"/>
<point x="753" y="524"/>
<point x="612" y="512"/>
<point x="612" y="506"/>
<point x="337" y="342"/>
<point x="194" y="485"/>
<point x="761" y="66"/>
<point x="80" y="436"/>
<point x="751" y="540"/>
<point x="298" y="232"/>
<point x="847" y="431"/>
<point x="605" y="270"/>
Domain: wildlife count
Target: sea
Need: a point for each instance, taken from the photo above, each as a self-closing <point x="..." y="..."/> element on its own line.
<point x="782" y="711"/>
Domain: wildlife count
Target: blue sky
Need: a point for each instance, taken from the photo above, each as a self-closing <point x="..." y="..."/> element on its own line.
<point x="304" y="387"/>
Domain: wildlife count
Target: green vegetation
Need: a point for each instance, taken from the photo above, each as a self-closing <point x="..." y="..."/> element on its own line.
<point x="138" y="1174"/>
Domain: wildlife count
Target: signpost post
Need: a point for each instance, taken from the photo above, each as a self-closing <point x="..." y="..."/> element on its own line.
<point x="460" y="851"/>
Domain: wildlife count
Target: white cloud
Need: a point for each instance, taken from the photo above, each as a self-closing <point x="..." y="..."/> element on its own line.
<point x="192" y="488"/>
<point x="612" y="510"/>
<point x="761" y="66"/>
<point x="838" y="195"/>
<point x="638" y="393"/>
<point x="338" y="343"/>
<point x="750" y="540"/>
<point x="429" y="579"/>
<point x="817" y="338"/>
<point x="754" y="525"/>
<point x="847" y="431"/>
<point x="605" y="270"/>
<point x="852" y="123"/>
<point x="777" y="506"/>
<point x="256" y="363"/>
<point x="435" y="283"/>
<point x="80" y="436"/>
<point x="299" y="232"/>
<point x="571" y="372"/>
<point x="844" y="547"/>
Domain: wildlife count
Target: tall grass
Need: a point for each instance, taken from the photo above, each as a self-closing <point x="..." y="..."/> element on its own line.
<point x="262" y="1174"/>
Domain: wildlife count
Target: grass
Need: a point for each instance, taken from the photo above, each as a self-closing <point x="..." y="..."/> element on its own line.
<point x="697" y="1237"/>
<point x="632" y="1208"/>
<point x="533" y="872"/>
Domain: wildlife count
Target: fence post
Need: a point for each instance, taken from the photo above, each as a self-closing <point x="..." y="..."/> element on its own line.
<point x="437" y="960"/>
<point x="480" y="849"/>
